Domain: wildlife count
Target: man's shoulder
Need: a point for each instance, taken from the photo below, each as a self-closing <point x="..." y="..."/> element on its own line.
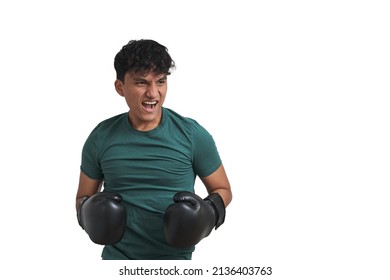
<point x="109" y="123"/>
<point x="180" y="119"/>
<point x="188" y="126"/>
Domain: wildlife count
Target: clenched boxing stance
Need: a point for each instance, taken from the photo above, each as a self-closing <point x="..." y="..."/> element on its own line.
<point x="138" y="169"/>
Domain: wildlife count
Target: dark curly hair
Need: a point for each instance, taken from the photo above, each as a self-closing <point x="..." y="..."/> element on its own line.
<point x="143" y="56"/>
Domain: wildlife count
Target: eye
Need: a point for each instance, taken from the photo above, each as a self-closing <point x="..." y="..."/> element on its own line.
<point x="161" y="82"/>
<point x="140" y="83"/>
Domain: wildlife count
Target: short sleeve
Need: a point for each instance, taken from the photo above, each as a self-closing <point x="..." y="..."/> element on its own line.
<point x="90" y="164"/>
<point x="206" y="158"/>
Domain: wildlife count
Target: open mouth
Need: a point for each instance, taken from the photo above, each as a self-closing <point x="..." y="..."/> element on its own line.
<point x="149" y="104"/>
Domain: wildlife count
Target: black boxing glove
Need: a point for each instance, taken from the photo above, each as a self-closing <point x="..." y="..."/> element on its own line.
<point x="103" y="217"/>
<point x="190" y="218"/>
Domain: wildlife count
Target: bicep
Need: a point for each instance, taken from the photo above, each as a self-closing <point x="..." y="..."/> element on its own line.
<point x="219" y="182"/>
<point x="87" y="187"/>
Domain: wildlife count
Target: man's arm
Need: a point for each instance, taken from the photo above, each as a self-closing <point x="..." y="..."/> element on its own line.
<point x="218" y="182"/>
<point x="87" y="187"/>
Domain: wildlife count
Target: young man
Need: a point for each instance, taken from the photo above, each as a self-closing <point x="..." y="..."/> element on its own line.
<point x="148" y="159"/>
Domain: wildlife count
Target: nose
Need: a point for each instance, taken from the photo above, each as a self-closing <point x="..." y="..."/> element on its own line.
<point x="152" y="91"/>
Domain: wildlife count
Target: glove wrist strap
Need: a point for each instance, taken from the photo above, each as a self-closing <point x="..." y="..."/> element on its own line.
<point x="216" y="201"/>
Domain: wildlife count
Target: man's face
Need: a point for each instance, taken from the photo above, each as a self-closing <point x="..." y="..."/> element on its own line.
<point x="145" y="95"/>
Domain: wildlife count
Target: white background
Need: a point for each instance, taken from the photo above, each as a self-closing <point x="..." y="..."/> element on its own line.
<point x="295" y="93"/>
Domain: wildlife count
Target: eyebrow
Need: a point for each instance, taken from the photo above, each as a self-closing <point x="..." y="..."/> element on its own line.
<point x="141" y="78"/>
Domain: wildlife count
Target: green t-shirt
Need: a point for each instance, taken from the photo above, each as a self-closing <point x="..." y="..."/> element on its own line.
<point x="147" y="168"/>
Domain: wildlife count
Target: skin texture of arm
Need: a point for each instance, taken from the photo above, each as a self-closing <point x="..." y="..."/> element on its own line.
<point x="218" y="182"/>
<point x="87" y="187"/>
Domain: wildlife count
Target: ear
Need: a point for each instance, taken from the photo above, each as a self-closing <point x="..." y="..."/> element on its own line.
<point x="119" y="87"/>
